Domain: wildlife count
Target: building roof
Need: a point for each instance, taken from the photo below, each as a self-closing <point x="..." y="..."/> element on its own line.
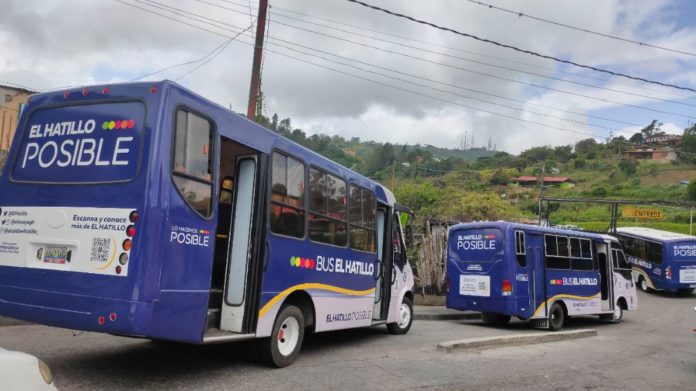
<point x="656" y="234"/>
<point x="17" y="88"/>
<point x="546" y="179"/>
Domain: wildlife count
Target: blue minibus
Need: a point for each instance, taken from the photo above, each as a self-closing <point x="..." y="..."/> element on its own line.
<point x="661" y="260"/>
<point x="503" y="269"/>
<point x="143" y="209"/>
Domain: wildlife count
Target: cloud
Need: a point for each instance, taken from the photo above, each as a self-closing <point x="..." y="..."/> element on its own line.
<point x="76" y="42"/>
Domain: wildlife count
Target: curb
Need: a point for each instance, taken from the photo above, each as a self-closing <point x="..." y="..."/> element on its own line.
<point x="515" y="339"/>
<point x="455" y="316"/>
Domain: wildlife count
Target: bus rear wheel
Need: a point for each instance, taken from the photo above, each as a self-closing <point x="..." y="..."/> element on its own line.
<point x="556" y="317"/>
<point x="405" y="318"/>
<point x="685" y="292"/>
<point x="283" y="347"/>
<point x="495" y="319"/>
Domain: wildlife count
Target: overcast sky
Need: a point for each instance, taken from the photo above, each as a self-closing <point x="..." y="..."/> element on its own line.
<point x="445" y="85"/>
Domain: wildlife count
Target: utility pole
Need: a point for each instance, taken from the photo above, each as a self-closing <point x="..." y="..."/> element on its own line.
<point x="256" y="66"/>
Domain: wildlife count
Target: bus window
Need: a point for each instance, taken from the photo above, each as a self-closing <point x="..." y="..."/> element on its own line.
<point x="397" y="245"/>
<point x="327" y="209"/>
<point x="581" y="254"/>
<point x="557" y="252"/>
<point x="653" y="252"/>
<point x="192" y="169"/>
<point x="287" y="196"/>
<point x="520" y="249"/>
<point x="362" y="219"/>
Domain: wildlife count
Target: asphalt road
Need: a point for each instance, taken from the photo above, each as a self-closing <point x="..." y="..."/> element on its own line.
<point x="654" y="348"/>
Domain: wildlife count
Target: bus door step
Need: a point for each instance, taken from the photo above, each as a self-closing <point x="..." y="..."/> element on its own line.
<point x="540" y="323"/>
<point x="212" y="319"/>
<point x="219" y="336"/>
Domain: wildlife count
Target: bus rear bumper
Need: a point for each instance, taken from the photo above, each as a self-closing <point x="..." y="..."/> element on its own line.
<point x="77" y="312"/>
<point x="504" y="306"/>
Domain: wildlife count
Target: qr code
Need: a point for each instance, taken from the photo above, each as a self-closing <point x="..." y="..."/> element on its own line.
<point x="101" y="247"/>
<point x="482" y="285"/>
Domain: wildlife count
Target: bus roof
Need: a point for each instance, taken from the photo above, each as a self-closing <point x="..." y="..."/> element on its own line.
<point x="243" y="129"/>
<point x="506" y="225"/>
<point x="655" y="234"/>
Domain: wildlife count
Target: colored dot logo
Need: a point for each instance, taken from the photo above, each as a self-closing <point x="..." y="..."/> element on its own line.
<point x="305" y="263"/>
<point x="118" y="124"/>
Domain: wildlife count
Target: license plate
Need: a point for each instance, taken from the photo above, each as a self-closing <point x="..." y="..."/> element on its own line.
<point x="59" y="255"/>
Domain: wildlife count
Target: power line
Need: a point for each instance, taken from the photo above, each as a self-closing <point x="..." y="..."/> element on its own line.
<point x="367" y="79"/>
<point x="532" y="53"/>
<point x="286" y="10"/>
<point x="605" y="35"/>
<point x="203" y="19"/>
<point x="459" y="57"/>
<point x="215" y="55"/>
<point x="486" y="74"/>
<point x="447" y="65"/>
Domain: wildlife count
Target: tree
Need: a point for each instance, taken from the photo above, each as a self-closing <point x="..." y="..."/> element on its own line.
<point x="691" y="191"/>
<point x="628" y="166"/>
<point x="586" y="147"/>
<point x="637" y="138"/>
<point x="653" y="129"/>
<point x="687" y="149"/>
<point x="499" y="178"/>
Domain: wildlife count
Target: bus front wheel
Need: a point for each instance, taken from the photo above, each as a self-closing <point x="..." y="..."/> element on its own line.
<point x="283" y="347"/>
<point x="643" y="284"/>
<point x="405" y="318"/>
<point x="556" y="317"/>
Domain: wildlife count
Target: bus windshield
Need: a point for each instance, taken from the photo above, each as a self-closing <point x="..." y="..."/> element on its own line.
<point x="89" y="143"/>
<point x="476" y="245"/>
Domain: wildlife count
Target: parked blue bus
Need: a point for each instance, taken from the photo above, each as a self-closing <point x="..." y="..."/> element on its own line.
<point x="146" y="210"/>
<point x="542" y="274"/>
<point x="661" y="260"/>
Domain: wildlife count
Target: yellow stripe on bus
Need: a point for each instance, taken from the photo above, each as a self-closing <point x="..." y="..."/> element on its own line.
<point x="564" y="296"/>
<point x="312" y="285"/>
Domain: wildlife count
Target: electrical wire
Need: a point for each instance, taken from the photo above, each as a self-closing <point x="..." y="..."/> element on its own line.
<point x="532" y="53"/>
<point x="365" y="78"/>
<point x="205" y="19"/>
<point x="286" y="10"/>
<point x="429" y="61"/>
<point x="506" y="68"/>
<point x="605" y="35"/>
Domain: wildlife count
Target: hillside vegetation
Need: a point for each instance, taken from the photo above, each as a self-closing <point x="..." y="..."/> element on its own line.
<point x="469" y="185"/>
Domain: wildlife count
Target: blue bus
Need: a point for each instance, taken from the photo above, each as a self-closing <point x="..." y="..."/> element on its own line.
<point x="542" y="274"/>
<point x="661" y="260"/>
<point x="145" y="210"/>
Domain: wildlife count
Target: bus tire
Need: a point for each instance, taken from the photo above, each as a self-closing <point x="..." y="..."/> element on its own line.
<point x="643" y="284"/>
<point x="283" y="346"/>
<point x="686" y="292"/>
<point x="556" y="317"/>
<point x="615" y="317"/>
<point x="405" y="318"/>
<point x="495" y="319"/>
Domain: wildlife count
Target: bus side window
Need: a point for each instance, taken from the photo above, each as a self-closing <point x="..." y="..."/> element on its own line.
<point x="397" y="246"/>
<point x="581" y="254"/>
<point x="363" y="206"/>
<point x="556" y="250"/>
<point x="520" y="249"/>
<point x="192" y="169"/>
<point x="653" y="252"/>
<point x="287" y="196"/>
<point x="327" y="208"/>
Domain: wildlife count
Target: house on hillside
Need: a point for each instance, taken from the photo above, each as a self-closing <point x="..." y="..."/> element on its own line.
<point x="664" y="140"/>
<point x="12" y="100"/>
<point x="662" y="155"/>
<point x="528" y="181"/>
